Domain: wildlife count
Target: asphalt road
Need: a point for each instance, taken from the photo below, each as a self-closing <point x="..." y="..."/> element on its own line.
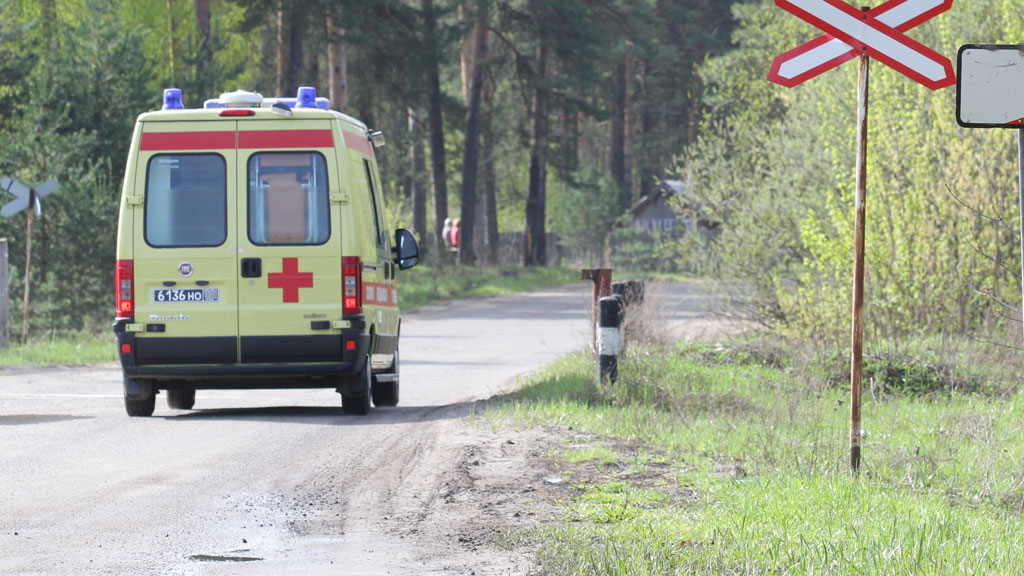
<point x="268" y="482"/>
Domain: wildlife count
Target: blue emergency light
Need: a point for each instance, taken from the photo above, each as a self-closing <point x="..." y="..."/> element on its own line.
<point x="172" y="99"/>
<point x="306" y="98"/>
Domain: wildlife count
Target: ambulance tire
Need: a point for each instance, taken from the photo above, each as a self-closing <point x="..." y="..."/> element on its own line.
<point x="385" y="394"/>
<point x="142" y="402"/>
<point x="181" y="398"/>
<point x="358" y="403"/>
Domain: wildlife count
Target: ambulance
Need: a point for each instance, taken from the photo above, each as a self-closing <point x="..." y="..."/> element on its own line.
<point x="253" y="252"/>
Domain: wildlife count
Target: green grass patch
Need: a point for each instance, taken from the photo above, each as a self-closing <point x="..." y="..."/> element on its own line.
<point x="71" y="350"/>
<point x="605" y="456"/>
<point x="424" y="284"/>
<point x="756" y="438"/>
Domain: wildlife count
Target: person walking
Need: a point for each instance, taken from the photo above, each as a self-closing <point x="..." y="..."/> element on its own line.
<point x="456" y="232"/>
<point x="446" y="233"/>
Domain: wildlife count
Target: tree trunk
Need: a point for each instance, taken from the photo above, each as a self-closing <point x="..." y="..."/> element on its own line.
<point x="438" y="177"/>
<point x="627" y="128"/>
<point x="417" y="167"/>
<point x="296" y="55"/>
<point x="648" y="124"/>
<point x="617" y="158"/>
<point x="535" y="250"/>
<point x="170" y="42"/>
<point x="696" y="101"/>
<point x="204" y="59"/>
<point x="467" y="51"/>
<point x="310" y="70"/>
<point x="491" y="240"/>
<point x="467" y="253"/>
<point x="284" y="44"/>
<point x="337" y="62"/>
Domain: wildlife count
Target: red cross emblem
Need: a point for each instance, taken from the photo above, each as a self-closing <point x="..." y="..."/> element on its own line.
<point x="289" y="279"/>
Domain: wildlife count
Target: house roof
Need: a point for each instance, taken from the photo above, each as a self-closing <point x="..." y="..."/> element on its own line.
<point x="665" y="187"/>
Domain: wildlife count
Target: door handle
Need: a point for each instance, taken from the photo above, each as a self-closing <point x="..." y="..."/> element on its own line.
<point x="252" y="267"/>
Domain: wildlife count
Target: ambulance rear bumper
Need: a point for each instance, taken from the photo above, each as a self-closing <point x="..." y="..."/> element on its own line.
<point x="178" y="359"/>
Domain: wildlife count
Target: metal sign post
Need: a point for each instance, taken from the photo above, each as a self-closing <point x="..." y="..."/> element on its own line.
<point x="1020" y="184"/>
<point x="867" y="33"/>
<point x="857" y="349"/>
<point x="28" y="266"/>
<point x="990" y="94"/>
<point x="5" y="327"/>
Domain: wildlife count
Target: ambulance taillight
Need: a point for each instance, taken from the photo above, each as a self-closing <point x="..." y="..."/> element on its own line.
<point x="352" y="285"/>
<point x="124" y="294"/>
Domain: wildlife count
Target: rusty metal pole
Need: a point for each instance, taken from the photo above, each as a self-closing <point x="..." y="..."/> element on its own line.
<point x="28" y="264"/>
<point x="5" y="326"/>
<point x="1020" y="163"/>
<point x="857" y="352"/>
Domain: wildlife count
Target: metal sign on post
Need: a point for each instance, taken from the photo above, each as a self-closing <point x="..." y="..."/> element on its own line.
<point x="850" y="33"/>
<point x="23" y="198"/>
<point x="990" y="94"/>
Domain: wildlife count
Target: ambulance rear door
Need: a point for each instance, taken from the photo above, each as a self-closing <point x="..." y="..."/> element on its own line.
<point x="289" y="242"/>
<point x="184" y="246"/>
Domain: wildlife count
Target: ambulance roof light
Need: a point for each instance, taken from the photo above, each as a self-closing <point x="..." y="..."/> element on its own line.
<point x="306" y="98"/>
<point x="172" y="99"/>
<point x="241" y="99"/>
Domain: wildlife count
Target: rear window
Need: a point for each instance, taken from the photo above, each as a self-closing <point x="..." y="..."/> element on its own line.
<point x="186" y="200"/>
<point x="288" y="199"/>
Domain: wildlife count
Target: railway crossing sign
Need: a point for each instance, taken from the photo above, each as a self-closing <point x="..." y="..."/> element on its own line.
<point x="878" y="33"/>
<point x="23" y="195"/>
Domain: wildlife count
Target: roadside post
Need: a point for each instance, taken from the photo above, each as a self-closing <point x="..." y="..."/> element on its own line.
<point x="990" y="94"/>
<point x="609" y="339"/>
<point x="602" y="279"/>
<point x="25" y="197"/>
<point x="863" y="34"/>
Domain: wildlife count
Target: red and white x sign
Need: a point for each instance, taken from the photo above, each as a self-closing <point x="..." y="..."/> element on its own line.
<point x="879" y="33"/>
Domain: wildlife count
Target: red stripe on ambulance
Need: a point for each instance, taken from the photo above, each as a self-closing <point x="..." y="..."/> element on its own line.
<point x="358" y="142"/>
<point x="248" y="139"/>
<point x="187" y="141"/>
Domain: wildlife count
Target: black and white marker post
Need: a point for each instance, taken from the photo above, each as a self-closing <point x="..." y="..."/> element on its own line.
<point x="609" y="338"/>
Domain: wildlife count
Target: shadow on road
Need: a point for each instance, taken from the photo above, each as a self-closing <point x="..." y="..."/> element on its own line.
<point x="22" y="419"/>
<point x="329" y="416"/>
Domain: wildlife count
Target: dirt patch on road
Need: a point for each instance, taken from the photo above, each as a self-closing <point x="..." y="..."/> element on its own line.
<point x="493" y="488"/>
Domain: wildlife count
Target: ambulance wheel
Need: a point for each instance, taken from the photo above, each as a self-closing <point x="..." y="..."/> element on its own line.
<point x="139" y="398"/>
<point x="181" y="398"/>
<point x="385" y="393"/>
<point x="355" y="398"/>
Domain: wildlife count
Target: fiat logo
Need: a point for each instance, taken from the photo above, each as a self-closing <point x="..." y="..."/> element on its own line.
<point x="185" y="269"/>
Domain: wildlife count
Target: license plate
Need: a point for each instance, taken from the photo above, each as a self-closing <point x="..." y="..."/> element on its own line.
<point x="187" y="295"/>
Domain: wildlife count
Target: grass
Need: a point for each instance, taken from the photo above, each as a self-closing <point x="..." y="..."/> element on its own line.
<point x="755" y="440"/>
<point x="424" y="284"/>
<point x="72" y="350"/>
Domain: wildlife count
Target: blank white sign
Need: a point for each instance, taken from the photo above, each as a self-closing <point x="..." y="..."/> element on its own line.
<point x="990" y="86"/>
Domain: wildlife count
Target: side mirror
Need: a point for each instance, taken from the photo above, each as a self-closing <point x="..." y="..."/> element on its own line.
<point x="407" y="251"/>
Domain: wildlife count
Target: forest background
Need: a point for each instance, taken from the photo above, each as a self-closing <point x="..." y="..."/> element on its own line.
<point x="538" y="116"/>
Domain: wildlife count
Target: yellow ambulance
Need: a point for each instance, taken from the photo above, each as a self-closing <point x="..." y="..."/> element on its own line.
<point x="253" y="252"/>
